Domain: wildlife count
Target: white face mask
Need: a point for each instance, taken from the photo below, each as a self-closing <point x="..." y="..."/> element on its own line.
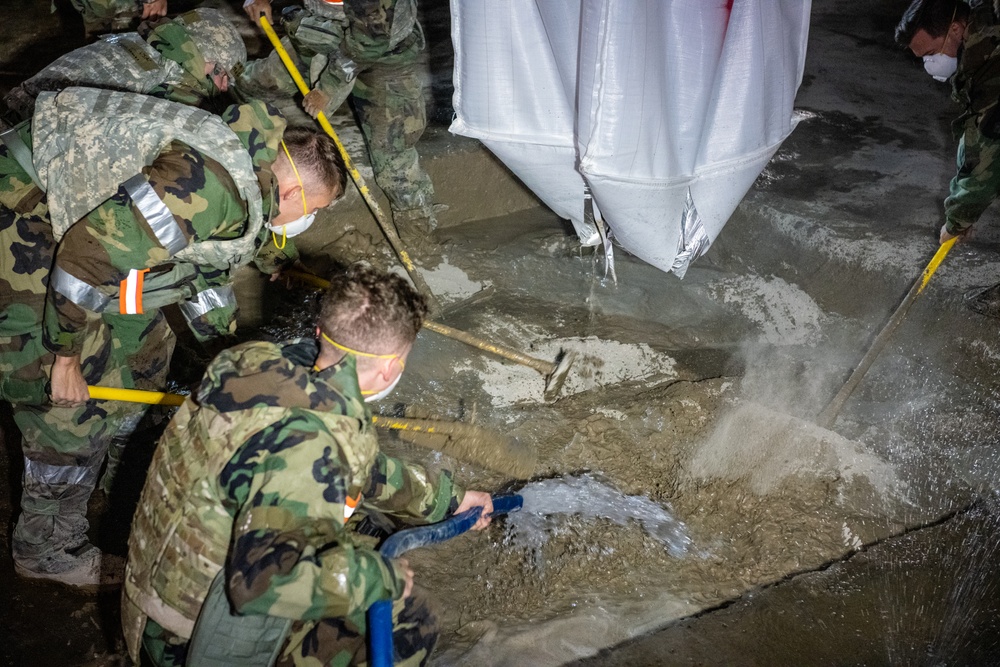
<point x="385" y="392"/>
<point x="295" y="227"/>
<point x="940" y="66"/>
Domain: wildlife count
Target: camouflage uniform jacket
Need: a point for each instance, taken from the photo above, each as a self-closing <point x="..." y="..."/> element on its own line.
<point x="260" y="472"/>
<point x="114" y="244"/>
<point x="160" y="60"/>
<point x="976" y="87"/>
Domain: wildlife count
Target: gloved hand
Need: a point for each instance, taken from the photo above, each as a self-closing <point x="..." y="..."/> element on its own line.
<point x="315" y="102"/>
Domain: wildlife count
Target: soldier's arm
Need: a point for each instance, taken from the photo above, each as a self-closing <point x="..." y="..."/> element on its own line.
<point x="409" y="492"/>
<point x="182" y="197"/>
<point x="974" y="186"/>
<point x="290" y="555"/>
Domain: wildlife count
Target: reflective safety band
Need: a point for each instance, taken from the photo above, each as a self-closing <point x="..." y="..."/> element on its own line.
<point x="130" y="297"/>
<point x="51" y="474"/>
<point x="350" y="505"/>
<point x="210" y="299"/>
<point x="20" y="152"/>
<point x="165" y="227"/>
<point x="84" y="295"/>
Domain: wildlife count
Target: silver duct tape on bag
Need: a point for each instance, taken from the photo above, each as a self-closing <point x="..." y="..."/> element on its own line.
<point x="592" y="218"/>
<point x="694" y="240"/>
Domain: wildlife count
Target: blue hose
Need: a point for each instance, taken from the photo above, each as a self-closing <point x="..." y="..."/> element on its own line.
<point x="380" y="613"/>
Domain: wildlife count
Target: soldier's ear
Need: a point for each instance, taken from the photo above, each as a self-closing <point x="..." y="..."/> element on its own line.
<point x="293" y="192"/>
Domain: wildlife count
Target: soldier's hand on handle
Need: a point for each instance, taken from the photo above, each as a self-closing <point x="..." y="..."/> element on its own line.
<point x="477" y="499"/>
<point x="254" y="8"/>
<point x="946" y="235"/>
<point x="154" y="9"/>
<point x="315" y="102"/>
<point x="69" y="389"/>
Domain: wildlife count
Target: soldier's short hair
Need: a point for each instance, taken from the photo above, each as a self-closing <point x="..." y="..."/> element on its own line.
<point x="932" y="16"/>
<point x="371" y="311"/>
<point x="317" y="158"/>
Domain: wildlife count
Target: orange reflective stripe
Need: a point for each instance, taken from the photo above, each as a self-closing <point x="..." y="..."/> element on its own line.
<point x="130" y="292"/>
<point x="350" y="505"/>
<point x="334" y="2"/>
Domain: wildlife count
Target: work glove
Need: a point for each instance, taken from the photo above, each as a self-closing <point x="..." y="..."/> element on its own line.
<point x="315" y="102"/>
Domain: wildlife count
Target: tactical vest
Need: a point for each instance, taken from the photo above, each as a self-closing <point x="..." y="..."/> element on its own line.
<point x="182" y="530"/>
<point x="118" y="62"/>
<point x="88" y="142"/>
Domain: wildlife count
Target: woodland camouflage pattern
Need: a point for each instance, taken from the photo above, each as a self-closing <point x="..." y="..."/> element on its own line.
<point x="385" y="85"/>
<point x="976" y="86"/>
<point x="165" y="59"/>
<point x="265" y="459"/>
<point x="64" y="447"/>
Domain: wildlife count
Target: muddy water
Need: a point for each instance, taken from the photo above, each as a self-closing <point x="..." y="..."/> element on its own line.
<point x="711" y="423"/>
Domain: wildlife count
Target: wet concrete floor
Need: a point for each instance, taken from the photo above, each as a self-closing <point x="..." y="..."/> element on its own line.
<point x="871" y="545"/>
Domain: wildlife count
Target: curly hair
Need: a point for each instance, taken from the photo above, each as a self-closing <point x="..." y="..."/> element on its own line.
<point x="371" y="311"/>
<point x="316" y="157"/>
<point x="932" y="16"/>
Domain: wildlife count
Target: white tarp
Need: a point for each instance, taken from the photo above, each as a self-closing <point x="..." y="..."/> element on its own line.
<point x="668" y="108"/>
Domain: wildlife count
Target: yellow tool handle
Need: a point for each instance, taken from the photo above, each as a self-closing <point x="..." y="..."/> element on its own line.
<point x="935" y="262"/>
<point x="543" y="367"/>
<point x="164" y="398"/>
<point x="359" y="181"/>
<point x="830" y="412"/>
<point x="134" y="396"/>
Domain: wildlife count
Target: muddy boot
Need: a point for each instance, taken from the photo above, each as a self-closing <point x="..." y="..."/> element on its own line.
<point x="984" y="300"/>
<point x="416" y="227"/>
<point x="85" y="567"/>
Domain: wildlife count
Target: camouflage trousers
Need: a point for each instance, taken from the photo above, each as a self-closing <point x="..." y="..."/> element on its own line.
<point x="102" y="16"/>
<point x="335" y="642"/>
<point x="977" y="182"/>
<point x="64" y="448"/>
<point x="386" y="94"/>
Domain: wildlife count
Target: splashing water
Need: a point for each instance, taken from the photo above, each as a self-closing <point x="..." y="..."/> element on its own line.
<point x="585" y="496"/>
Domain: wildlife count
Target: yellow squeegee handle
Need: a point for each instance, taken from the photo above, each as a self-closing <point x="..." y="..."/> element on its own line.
<point x="134" y="396"/>
<point x="164" y="398"/>
<point x="935" y="262"/>
<point x="830" y="412"/>
<point x="359" y="181"/>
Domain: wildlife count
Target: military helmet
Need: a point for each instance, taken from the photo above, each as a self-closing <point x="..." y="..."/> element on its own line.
<point x="215" y="36"/>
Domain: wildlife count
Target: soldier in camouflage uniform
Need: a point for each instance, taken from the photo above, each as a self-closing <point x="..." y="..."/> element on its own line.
<point x="88" y="311"/>
<point x="104" y="16"/>
<point x="368" y="50"/>
<point x="259" y="474"/>
<point x="187" y="59"/>
<point x="960" y="41"/>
